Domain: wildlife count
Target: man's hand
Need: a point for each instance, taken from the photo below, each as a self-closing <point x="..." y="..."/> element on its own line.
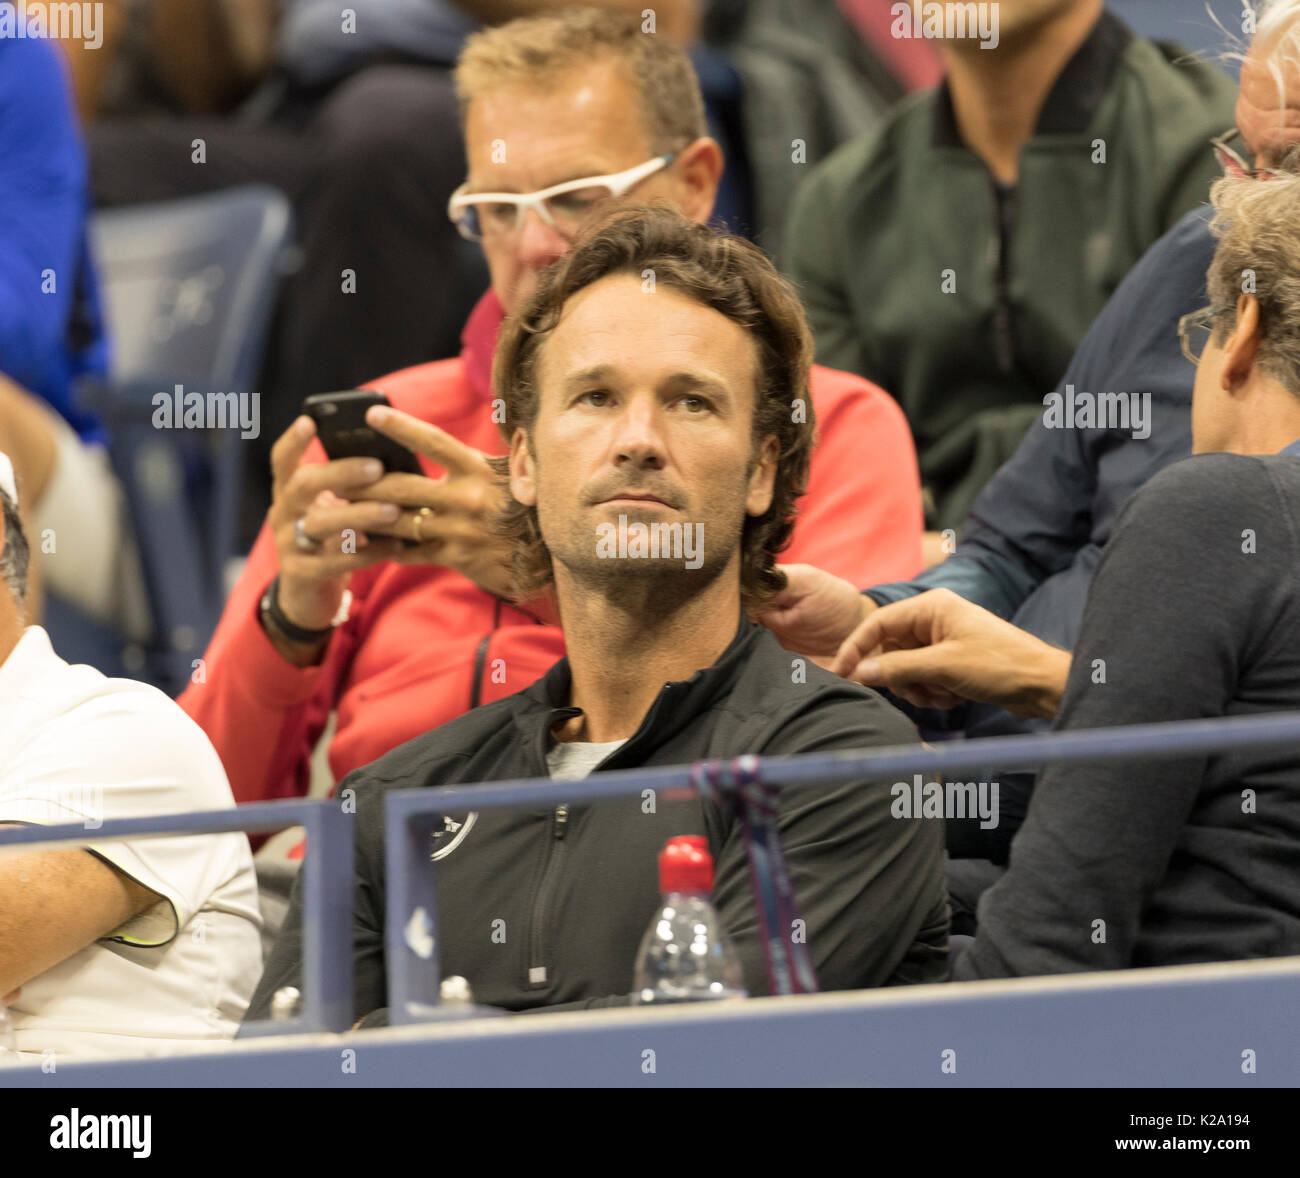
<point x="312" y="583"/>
<point x="815" y="612"/>
<point x="466" y="503"/>
<point x="937" y="649"/>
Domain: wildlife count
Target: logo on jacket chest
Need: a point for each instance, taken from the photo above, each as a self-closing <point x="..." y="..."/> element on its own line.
<point x="452" y="834"/>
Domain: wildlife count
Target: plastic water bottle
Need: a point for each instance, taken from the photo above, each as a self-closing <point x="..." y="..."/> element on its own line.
<point x="685" y="956"/>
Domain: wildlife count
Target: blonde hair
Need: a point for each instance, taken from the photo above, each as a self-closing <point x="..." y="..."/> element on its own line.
<point x="1258" y="226"/>
<point x="536" y="49"/>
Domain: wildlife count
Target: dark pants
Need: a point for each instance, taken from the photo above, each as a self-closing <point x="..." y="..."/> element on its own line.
<point x="369" y="165"/>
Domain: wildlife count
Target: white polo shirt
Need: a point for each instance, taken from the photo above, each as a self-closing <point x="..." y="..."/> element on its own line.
<point x="78" y="747"/>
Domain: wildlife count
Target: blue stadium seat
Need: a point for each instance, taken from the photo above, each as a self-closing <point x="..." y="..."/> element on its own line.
<point x="189" y="288"/>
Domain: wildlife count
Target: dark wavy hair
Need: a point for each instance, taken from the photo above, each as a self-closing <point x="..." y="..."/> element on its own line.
<point x="16" y="554"/>
<point x="718" y="270"/>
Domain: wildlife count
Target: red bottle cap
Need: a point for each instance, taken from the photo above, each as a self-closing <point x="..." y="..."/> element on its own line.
<point x="685" y="865"/>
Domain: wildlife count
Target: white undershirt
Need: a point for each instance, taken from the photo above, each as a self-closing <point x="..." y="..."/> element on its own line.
<point x="575" y="759"/>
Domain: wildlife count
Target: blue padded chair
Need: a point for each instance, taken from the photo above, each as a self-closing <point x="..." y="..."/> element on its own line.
<point x="188" y="288"/>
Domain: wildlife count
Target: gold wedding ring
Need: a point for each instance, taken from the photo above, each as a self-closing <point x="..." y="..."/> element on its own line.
<point x="420" y="516"/>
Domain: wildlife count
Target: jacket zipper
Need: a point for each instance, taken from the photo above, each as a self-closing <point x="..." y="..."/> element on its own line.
<point x="1004" y="212"/>
<point x="537" y="970"/>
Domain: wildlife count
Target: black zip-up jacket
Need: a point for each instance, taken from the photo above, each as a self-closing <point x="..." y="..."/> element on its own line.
<point x="541" y="908"/>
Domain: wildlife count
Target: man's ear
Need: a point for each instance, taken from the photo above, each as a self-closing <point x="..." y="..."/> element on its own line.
<point x="699" y="165"/>
<point x="523" y="474"/>
<point x="763" y="478"/>
<point x="1242" y="344"/>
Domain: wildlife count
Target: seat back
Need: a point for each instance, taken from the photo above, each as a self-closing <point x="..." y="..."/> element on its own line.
<point x="188" y="289"/>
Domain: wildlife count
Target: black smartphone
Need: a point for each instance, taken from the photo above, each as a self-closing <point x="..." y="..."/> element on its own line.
<point x="341" y="426"/>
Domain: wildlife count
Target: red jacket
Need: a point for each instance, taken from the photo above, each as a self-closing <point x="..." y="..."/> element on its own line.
<point x="418" y="639"/>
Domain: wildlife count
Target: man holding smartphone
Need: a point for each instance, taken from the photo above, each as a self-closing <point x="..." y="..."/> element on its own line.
<point x="337" y="610"/>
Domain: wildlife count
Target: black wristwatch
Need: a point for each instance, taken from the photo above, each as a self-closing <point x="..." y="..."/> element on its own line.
<point x="271" y="612"/>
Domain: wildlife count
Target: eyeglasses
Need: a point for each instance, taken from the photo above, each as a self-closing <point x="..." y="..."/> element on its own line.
<point x="477" y="215"/>
<point x="1194" y="331"/>
<point x="1233" y="164"/>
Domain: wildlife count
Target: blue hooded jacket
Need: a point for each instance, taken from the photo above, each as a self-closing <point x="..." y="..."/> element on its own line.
<point x="51" y="326"/>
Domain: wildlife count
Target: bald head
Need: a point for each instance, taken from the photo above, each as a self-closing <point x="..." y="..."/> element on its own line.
<point x="1268" y="100"/>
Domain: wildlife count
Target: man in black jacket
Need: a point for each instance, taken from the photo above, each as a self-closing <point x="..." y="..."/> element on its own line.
<point x="655" y="395"/>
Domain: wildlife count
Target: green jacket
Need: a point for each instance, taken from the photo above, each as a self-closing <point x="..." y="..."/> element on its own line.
<point x="967" y="306"/>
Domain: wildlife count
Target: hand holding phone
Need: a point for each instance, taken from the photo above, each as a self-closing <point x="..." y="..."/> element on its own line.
<point x="454" y="515"/>
<point x="341" y="426"/>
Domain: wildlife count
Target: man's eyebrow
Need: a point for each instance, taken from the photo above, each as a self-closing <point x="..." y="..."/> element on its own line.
<point x="597" y="372"/>
<point x="678" y="382"/>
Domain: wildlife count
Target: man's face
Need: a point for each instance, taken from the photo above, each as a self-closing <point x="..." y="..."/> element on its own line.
<point x="586" y="123"/>
<point x="643" y="394"/>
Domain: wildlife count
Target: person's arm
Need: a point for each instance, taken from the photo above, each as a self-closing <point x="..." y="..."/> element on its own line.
<point x="868" y="886"/>
<point x="1161" y="640"/>
<point x="261" y="712"/>
<point x="938" y="650"/>
<point x="43" y="194"/>
<point x="861" y="517"/>
<point x="1026" y="524"/>
<point x="53" y="903"/>
<point x="263" y="699"/>
<point x="119" y="754"/>
<point x="678" y="19"/>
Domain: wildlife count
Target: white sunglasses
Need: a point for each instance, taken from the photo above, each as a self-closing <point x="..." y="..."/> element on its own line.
<point x="480" y="214"/>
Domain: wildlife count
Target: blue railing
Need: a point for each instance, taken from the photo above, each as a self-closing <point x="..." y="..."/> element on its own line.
<point x="412" y="815"/>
